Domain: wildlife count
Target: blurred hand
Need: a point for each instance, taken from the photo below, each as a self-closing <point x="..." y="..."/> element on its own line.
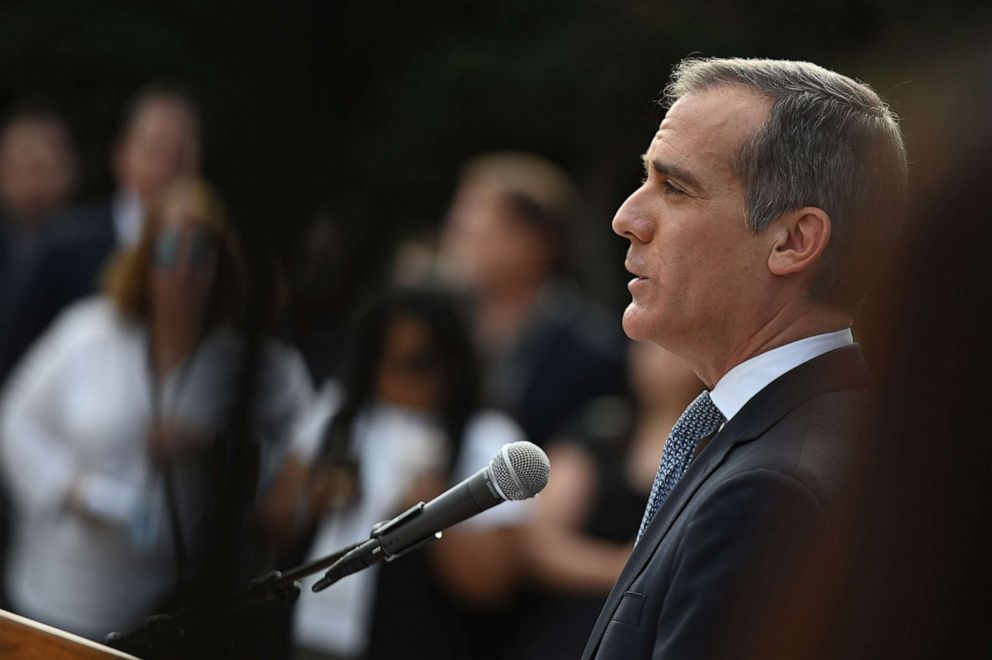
<point x="171" y="441"/>
<point x="103" y="499"/>
<point x="331" y="486"/>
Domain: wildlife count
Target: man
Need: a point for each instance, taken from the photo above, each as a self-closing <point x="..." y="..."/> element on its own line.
<point x="769" y="193"/>
<point x="38" y="173"/>
<point x="38" y="165"/>
<point x="548" y="350"/>
<point x="159" y="142"/>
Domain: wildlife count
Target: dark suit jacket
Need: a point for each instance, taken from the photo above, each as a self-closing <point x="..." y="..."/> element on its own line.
<point x="702" y="581"/>
<point x="569" y="354"/>
<point x="65" y="267"/>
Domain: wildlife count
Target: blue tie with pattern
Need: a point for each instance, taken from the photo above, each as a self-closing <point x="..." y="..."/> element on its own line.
<point x="701" y="419"/>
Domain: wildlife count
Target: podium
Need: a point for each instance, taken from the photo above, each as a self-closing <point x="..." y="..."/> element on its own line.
<point x="24" y="639"/>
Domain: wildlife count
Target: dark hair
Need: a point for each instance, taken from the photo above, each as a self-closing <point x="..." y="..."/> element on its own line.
<point x="34" y="108"/>
<point x="543" y="220"/>
<point x="450" y="341"/>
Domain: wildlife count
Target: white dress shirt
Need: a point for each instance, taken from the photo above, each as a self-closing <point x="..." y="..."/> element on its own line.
<point x="128" y="215"/>
<point x="740" y="384"/>
<point x="75" y="417"/>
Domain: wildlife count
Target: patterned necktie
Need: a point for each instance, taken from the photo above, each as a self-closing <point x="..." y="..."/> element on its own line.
<point x="701" y="419"/>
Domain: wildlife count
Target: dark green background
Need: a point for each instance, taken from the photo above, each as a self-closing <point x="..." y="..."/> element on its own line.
<point x="368" y="107"/>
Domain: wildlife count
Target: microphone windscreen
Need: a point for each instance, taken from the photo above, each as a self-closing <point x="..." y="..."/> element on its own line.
<point x="520" y="470"/>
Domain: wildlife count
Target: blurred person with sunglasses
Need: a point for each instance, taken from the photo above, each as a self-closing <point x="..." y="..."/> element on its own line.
<point x="115" y="429"/>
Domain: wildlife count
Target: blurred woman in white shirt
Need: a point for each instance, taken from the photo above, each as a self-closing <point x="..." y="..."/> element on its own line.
<point x="109" y="427"/>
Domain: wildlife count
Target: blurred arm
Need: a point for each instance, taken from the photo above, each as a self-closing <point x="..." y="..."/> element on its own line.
<point x="480" y="560"/>
<point x="299" y="492"/>
<point x="559" y="554"/>
<point x="40" y="463"/>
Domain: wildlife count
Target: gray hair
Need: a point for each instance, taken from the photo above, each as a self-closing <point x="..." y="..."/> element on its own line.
<point x="829" y="142"/>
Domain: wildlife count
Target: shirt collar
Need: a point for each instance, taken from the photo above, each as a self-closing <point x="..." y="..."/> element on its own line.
<point x="741" y="383"/>
<point x="128" y="217"/>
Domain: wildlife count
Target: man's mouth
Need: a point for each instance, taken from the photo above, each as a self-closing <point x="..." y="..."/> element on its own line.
<point x="633" y="272"/>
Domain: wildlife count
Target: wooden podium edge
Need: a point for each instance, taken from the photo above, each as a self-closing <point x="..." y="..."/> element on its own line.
<point x="24" y="639"/>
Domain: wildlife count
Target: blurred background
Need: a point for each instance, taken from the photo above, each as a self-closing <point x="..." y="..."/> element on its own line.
<point x="353" y="249"/>
<point x="369" y="108"/>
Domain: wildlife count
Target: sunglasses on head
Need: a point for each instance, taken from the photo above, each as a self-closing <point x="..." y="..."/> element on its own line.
<point x="200" y="248"/>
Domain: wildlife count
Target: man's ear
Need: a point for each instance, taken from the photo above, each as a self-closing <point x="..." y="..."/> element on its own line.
<point x="800" y="237"/>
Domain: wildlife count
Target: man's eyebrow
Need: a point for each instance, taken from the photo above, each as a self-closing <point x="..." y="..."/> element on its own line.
<point x="674" y="171"/>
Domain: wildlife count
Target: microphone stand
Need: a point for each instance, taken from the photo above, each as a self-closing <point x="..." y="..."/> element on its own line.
<point x="276" y="587"/>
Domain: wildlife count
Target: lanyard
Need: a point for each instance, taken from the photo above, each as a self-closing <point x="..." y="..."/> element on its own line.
<point x="164" y="467"/>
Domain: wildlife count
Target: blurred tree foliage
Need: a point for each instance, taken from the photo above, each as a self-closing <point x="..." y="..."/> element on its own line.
<point x="369" y="106"/>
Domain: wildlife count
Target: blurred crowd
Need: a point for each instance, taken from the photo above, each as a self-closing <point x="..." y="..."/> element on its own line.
<point x="160" y="447"/>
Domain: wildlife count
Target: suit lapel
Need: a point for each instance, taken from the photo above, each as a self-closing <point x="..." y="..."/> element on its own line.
<point x="840" y="369"/>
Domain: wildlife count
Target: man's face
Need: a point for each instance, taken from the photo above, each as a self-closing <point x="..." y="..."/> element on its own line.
<point x="37" y="167"/>
<point x="489" y="246"/>
<point x="700" y="272"/>
<point x="161" y="145"/>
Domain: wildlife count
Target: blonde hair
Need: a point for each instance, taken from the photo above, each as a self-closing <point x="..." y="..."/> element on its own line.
<point x="520" y="173"/>
<point x="126" y="279"/>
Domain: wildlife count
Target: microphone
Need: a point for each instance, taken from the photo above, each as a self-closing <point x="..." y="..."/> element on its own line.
<point x="518" y="471"/>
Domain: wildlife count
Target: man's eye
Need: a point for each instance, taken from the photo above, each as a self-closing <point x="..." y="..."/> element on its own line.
<point x="672" y="190"/>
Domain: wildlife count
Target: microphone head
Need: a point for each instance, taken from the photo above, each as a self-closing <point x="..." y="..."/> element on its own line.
<point x="520" y="470"/>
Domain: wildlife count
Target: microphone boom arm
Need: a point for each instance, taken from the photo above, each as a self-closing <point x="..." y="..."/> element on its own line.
<point x="368" y="552"/>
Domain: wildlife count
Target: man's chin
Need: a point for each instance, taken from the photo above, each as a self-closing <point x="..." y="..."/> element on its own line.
<point x="636" y="324"/>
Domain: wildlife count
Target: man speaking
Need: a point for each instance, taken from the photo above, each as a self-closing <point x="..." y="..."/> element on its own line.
<point x="770" y="192"/>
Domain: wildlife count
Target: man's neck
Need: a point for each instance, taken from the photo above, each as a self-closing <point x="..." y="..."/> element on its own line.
<point x="782" y="328"/>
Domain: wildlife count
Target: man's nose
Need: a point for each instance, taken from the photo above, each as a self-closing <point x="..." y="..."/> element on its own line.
<point x="631" y="222"/>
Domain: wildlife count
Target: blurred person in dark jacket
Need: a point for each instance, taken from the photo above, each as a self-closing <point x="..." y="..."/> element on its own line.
<point x="547" y="349"/>
<point x="158" y="143"/>
<point x="38" y="176"/>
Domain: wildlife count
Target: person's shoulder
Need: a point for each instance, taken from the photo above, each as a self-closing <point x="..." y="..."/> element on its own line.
<point x="275" y="350"/>
<point x="283" y="363"/>
<point x="488" y="424"/>
<point x="72" y="250"/>
<point x="280" y="366"/>
<point x="271" y="351"/>
<point x="815" y="444"/>
<point x="83" y="223"/>
<point x="837" y="425"/>
<point x="87" y="321"/>
<point x="94" y="314"/>
<point x="832" y="420"/>
<point x="486" y="431"/>
<point x="310" y="428"/>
